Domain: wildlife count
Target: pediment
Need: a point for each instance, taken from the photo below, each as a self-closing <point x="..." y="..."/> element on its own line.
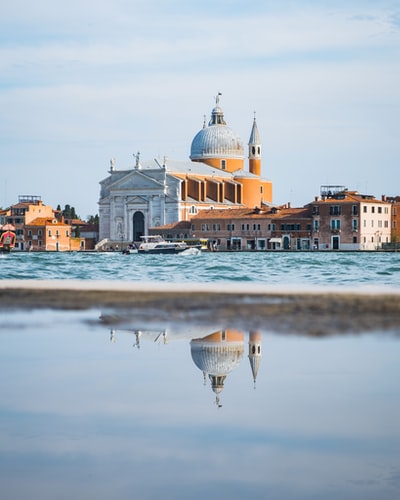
<point x="138" y="179"/>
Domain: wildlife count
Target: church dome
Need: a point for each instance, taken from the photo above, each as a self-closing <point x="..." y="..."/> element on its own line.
<point x="216" y="140"/>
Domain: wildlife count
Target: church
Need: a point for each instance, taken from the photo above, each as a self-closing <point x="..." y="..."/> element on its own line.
<point x="156" y="193"/>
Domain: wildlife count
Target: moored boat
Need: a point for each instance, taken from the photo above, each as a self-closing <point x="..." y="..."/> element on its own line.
<point x="157" y="245"/>
<point x="7" y="238"/>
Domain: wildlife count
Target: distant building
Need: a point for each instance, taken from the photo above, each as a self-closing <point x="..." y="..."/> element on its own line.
<point x="337" y="220"/>
<point x="28" y="208"/>
<point x="395" y="226"/>
<point x="47" y="234"/>
<point x="39" y="227"/>
<point x="348" y="220"/>
<point x="158" y="193"/>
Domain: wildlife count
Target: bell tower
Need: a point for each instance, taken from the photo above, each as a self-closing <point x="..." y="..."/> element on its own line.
<point x="255" y="150"/>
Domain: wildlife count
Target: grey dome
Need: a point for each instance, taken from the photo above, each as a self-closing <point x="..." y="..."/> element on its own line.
<point x="216" y="141"/>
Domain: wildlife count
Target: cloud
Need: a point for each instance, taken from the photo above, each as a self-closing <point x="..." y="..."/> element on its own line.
<point x="87" y="81"/>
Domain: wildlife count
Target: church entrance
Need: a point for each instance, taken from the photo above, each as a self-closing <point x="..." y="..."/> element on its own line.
<point x="138" y="226"/>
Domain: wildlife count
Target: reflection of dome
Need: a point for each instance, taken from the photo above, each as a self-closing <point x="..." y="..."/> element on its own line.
<point x="217" y="140"/>
<point x="216" y="358"/>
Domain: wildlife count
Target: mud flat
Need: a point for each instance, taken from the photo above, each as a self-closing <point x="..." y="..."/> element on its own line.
<point x="308" y="310"/>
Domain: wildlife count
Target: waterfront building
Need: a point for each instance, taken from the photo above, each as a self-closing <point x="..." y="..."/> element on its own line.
<point x="259" y="228"/>
<point x="395" y="226"/>
<point x="48" y="234"/>
<point x="28" y="208"/>
<point x="348" y="220"/>
<point x="39" y="227"/>
<point x="338" y="219"/>
<point x="162" y="192"/>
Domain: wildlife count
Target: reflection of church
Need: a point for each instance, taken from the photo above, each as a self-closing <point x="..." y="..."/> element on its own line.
<point x="216" y="354"/>
<point x="156" y="193"/>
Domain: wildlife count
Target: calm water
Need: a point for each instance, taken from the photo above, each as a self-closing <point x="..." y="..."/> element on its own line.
<point x="280" y="268"/>
<point x="93" y="411"/>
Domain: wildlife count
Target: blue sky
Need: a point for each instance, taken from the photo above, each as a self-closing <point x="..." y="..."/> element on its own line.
<point x="82" y="82"/>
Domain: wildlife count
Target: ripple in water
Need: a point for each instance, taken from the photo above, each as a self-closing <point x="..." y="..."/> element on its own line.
<point x="273" y="268"/>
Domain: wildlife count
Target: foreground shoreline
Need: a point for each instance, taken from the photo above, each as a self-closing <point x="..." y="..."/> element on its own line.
<point x="308" y="310"/>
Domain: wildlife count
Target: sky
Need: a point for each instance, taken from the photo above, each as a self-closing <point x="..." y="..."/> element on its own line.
<point x="82" y="82"/>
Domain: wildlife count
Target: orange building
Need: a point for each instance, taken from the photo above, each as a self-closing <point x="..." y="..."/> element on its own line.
<point x="48" y="234"/>
<point x="219" y="147"/>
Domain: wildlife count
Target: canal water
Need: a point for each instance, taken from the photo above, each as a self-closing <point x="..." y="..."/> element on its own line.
<point x="95" y="409"/>
<point x="297" y="268"/>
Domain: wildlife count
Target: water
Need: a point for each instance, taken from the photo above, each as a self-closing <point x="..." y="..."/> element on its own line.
<point x="95" y="410"/>
<point x="309" y="268"/>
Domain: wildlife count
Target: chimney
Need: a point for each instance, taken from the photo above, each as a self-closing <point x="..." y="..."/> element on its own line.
<point x="384" y="197"/>
<point x="315" y="198"/>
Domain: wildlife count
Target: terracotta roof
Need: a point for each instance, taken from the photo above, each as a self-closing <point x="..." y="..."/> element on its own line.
<point x="350" y="196"/>
<point x="254" y="213"/>
<point x="183" y="224"/>
<point x="46" y="221"/>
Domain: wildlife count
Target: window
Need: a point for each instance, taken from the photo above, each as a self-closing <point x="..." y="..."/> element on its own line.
<point x="335" y="224"/>
<point x="49" y="232"/>
<point x="223" y="164"/>
<point x="273" y="227"/>
<point x="387" y="210"/>
<point x="316" y="224"/>
<point x="372" y="210"/>
<point x="379" y="223"/>
<point x="216" y="227"/>
<point x="193" y="210"/>
<point x="354" y="210"/>
<point x="386" y="223"/>
<point x="230" y="227"/>
<point x="354" y="224"/>
<point x="315" y="210"/>
<point x="39" y="232"/>
<point x="365" y="209"/>
<point x="29" y="232"/>
<point x="354" y="239"/>
<point x="335" y="210"/>
<point x="379" y="210"/>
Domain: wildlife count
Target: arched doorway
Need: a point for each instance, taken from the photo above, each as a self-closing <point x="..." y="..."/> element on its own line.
<point x="286" y="242"/>
<point x="138" y="226"/>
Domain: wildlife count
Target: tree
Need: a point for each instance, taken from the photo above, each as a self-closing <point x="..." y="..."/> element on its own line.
<point x="93" y="219"/>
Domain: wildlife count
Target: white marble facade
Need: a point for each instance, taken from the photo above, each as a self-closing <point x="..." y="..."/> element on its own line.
<point x="132" y="201"/>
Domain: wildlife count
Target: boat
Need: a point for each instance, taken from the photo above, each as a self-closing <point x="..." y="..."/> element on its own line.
<point x="157" y="245"/>
<point x="7" y="238"/>
<point x="130" y="249"/>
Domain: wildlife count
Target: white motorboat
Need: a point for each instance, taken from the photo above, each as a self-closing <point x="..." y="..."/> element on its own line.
<point x="157" y="245"/>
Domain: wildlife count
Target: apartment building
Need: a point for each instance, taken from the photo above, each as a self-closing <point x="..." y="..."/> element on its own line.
<point x="348" y="220"/>
<point x="48" y="234"/>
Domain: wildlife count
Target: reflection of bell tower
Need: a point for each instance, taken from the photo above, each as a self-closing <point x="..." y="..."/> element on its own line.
<point x="255" y="339"/>
<point x="217" y="355"/>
